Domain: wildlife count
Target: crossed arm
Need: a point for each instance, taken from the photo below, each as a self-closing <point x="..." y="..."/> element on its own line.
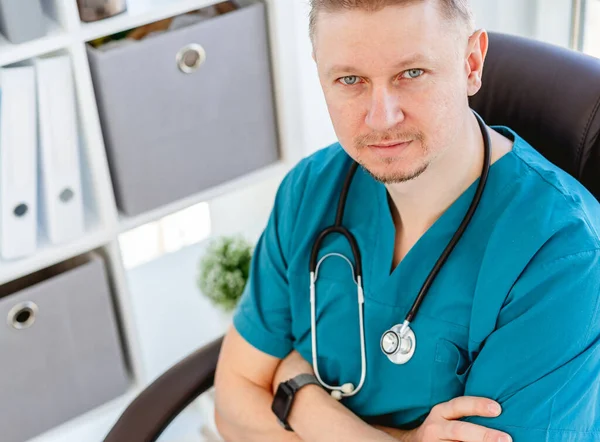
<point x="246" y="380"/>
<point x="244" y="391"/>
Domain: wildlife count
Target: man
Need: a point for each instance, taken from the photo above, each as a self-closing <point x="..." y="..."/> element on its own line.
<point x="511" y="318"/>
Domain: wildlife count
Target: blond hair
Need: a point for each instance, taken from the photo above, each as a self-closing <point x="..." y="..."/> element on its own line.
<point x="451" y="9"/>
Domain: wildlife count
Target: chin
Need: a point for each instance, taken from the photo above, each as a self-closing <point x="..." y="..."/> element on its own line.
<point x="393" y="165"/>
<point x="392" y="173"/>
<point x="392" y="170"/>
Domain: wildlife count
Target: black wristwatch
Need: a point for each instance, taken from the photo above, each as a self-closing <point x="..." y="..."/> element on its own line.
<point x="284" y="397"/>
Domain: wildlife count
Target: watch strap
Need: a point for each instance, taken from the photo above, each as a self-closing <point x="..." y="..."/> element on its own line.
<point x="301" y="380"/>
<point x="296" y="384"/>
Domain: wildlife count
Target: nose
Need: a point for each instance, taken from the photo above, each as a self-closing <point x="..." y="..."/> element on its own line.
<point x="385" y="111"/>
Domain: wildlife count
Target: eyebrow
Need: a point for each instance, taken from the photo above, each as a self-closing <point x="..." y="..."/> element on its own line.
<point x="408" y="61"/>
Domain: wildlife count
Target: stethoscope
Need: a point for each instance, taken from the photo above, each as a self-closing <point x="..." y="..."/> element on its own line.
<point x="399" y="342"/>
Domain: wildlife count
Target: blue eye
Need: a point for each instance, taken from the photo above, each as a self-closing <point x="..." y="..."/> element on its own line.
<point x="413" y="73"/>
<point x="350" y="80"/>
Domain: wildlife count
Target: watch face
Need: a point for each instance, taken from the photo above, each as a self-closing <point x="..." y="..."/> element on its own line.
<point x="282" y="401"/>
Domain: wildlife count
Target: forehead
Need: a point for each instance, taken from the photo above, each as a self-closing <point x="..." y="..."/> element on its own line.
<point x="386" y="35"/>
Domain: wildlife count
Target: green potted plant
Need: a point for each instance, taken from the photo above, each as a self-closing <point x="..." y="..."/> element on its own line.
<point x="223" y="271"/>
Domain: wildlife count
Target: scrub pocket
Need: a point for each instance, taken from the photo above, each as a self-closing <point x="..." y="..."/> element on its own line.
<point x="451" y="368"/>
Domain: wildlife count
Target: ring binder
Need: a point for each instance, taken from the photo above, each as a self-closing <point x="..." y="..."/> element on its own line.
<point x="18" y="163"/>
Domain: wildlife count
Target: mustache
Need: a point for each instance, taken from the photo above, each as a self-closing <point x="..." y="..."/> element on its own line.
<point x="379" y="138"/>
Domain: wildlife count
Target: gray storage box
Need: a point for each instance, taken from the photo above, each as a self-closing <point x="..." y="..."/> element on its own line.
<point x="59" y="347"/>
<point x="22" y="20"/>
<point x="171" y="133"/>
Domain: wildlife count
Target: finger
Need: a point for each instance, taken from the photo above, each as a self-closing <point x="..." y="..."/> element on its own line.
<point x="467" y="432"/>
<point x="468" y="406"/>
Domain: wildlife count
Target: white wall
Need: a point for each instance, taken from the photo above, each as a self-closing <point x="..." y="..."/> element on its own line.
<point x="554" y="21"/>
<point x="318" y="129"/>
<point x="592" y="28"/>
<point x="244" y="212"/>
<point x="511" y="16"/>
<point x="546" y="20"/>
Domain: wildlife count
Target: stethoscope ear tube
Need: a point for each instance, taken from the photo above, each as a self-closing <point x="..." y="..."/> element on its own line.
<point x="339" y="228"/>
<point x="463" y="225"/>
<point x="347" y="389"/>
<point x="351" y="240"/>
<point x="398" y="343"/>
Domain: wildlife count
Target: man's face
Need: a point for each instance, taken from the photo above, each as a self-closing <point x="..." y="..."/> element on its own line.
<point x="398" y="75"/>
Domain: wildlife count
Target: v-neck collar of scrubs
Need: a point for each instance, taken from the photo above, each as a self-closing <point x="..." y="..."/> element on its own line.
<point x="408" y="276"/>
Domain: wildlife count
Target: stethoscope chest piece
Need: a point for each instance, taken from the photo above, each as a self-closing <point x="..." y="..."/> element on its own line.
<point x="398" y="345"/>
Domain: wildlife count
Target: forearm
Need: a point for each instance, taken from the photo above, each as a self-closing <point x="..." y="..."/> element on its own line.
<point x="317" y="417"/>
<point x="399" y="435"/>
<point x="243" y="413"/>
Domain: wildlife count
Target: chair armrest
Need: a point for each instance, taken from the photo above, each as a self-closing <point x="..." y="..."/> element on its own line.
<point x="147" y="416"/>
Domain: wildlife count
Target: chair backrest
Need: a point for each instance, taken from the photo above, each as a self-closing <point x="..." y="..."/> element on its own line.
<point x="149" y="414"/>
<point x="550" y="96"/>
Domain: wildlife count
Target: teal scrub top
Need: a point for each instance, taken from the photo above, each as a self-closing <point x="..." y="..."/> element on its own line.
<point x="512" y="316"/>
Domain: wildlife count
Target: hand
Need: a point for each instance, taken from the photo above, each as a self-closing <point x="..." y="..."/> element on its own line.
<point x="442" y="423"/>
<point x="292" y="365"/>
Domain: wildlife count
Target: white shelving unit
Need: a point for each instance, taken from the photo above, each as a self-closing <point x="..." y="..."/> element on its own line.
<point x="67" y="34"/>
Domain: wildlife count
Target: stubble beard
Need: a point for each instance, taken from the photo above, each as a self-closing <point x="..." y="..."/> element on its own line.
<point x="391" y="177"/>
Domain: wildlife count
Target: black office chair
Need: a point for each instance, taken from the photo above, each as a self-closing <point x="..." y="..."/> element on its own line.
<point x="549" y="95"/>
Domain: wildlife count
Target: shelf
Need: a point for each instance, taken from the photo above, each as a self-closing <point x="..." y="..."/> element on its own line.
<point x="277" y="169"/>
<point x="141" y="317"/>
<point x="49" y="255"/>
<point x="56" y="38"/>
<point x="173" y="320"/>
<point x="140" y="12"/>
<point x="91" y="426"/>
<point x="95" y="424"/>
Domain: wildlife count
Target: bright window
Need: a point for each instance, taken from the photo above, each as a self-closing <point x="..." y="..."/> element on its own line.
<point x="591" y="28"/>
<point x="166" y="235"/>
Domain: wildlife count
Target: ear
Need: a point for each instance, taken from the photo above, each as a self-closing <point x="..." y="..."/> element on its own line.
<point x="476" y="51"/>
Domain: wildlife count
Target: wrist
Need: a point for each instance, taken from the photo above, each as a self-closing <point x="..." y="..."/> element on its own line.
<point x="309" y="394"/>
<point x="400" y="435"/>
<point x="288" y="394"/>
<point x="412" y="436"/>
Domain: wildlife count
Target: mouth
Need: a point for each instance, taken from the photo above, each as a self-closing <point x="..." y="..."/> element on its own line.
<point x="392" y="148"/>
<point x="390" y="145"/>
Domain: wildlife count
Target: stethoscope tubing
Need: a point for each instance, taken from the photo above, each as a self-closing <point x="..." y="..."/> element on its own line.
<point x="348" y="389"/>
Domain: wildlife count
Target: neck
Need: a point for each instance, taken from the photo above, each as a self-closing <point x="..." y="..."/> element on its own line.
<point x="418" y="203"/>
